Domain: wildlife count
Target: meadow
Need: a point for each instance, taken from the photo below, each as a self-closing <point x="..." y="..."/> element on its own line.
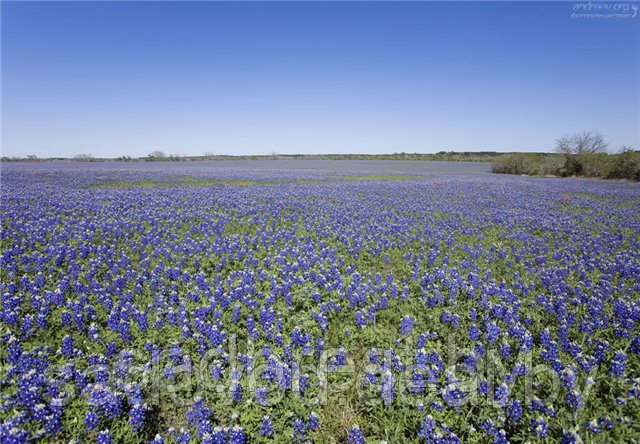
<point x="316" y="301"/>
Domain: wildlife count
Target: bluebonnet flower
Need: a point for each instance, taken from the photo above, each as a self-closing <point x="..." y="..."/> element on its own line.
<point x="91" y="420"/>
<point x="68" y="346"/>
<point x="427" y="429"/>
<point x="571" y="437"/>
<point x="182" y="437"/>
<point x="539" y="426"/>
<point x="568" y="378"/>
<point x="104" y="437"/>
<point x="137" y="414"/>
<point x="341" y="357"/>
<point x="266" y="427"/>
<point x="361" y="319"/>
<point x="592" y="426"/>
<point x="606" y="423"/>
<point x="634" y="347"/>
<point x="237" y="435"/>
<point x="493" y="332"/>
<point x="236" y="390"/>
<point x="313" y="421"/>
<point x="502" y="394"/>
<point x="618" y="364"/>
<point x="574" y="400"/>
<point x="422" y="340"/>
<point x="388" y="387"/>
<point x="406" y="325"/>
<point x="514" y="411"/>
<point x="474" y="332"/>
<point x="261" y="396"/>
<point x="483" y="388"/>
<point x="452" y="394"/>
<point x="299" y="430"/>
<point x="371" y="378"/>
<point x="355" y="435"/>
<point x="198" y="412"/>
<point x="489" y="427"/>
<point x="501" y="437"/>
<point x="505" y="351"/>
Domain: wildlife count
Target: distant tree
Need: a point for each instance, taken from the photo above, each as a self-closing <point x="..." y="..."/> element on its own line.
<point x="627" y="149"/>
<point x="157" y="155"/>
<point x="32" y="157"/>
<point x="586" y="142"/>
<point x="83" y="157"/>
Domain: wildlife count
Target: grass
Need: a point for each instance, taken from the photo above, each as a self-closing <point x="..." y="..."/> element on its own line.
<point x="190" y="181"/>
<point x="186" y="181"/>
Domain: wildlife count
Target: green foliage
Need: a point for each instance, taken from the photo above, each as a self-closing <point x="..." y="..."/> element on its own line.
<point x="190" y="181"/>
<point x="186" y="181"/>
<point x="624" y="165"/>
<point x="529" y="164"/>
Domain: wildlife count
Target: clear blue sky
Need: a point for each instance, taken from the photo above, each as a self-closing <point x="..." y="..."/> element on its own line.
<point x="249" y="78"/>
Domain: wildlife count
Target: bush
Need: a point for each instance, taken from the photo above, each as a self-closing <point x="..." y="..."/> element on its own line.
<point x="514" y="164"/>
<point x="625" y="165"/>
<point x="530" y="164"/>
<point x="588" y="165"/>
<point x="551" y="166"/>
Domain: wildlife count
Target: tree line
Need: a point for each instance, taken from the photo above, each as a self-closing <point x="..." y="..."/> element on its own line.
<point x="578" y="155"/>
<point x="160" y="156"/>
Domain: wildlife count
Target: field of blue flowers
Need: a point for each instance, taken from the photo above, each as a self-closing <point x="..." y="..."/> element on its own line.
<point x="275" y="305"/>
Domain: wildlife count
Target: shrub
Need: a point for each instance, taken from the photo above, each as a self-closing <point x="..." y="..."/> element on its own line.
<point x="591" y="165"/>
<point x="530" y="164"/>
<point x="625" y="165"/>
<point x="514" y="164"/>
<point x="551" y="166"/>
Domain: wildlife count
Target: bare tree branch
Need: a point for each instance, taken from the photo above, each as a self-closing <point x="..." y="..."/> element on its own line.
<point x="586" y="142"/>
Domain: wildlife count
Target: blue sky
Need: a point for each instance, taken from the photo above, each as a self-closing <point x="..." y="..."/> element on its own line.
<point x="249" y="78"/>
